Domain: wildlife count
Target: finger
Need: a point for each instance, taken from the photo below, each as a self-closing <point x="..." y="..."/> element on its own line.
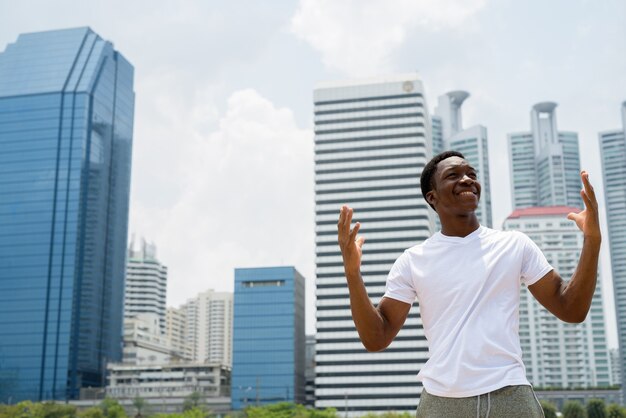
<point x="355" y="231"/>
<point x="360" y="241"/>
<point x="343" y="227"/>
<point x="589" y="204"/>
<point x="572" y="216"/>
<point x="587" y="187"/>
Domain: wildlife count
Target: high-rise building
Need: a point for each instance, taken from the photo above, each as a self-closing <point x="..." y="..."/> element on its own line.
<point x="269" y="339"/>
<point x="449" y="134"/>
<point x="176" y="331"/>
<point x="613" y="154"/>
<point x="545" y="163"/>
<point x="66" y="119"/>
<point x="309" y="371"/>
<point x="208" y="330"/>
<point x="146" y="282"/>
<point x="372" y="140"/>
<point x="557" y="354"/>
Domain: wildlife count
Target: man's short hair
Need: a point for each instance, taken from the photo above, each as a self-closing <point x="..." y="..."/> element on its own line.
<point x="427" y="182"/>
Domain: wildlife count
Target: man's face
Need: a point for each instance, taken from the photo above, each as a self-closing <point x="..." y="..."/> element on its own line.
<point x="456" y="188"/>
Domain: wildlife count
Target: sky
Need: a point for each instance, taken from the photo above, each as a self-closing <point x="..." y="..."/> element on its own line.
<point x="222" y="172"/>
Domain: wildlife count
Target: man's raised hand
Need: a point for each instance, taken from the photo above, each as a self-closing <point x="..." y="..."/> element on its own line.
<point x="588" y="220"/>
<point x="351" y="245"/>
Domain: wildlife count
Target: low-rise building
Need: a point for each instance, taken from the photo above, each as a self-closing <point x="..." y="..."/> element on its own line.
<point x="165" y="387"/>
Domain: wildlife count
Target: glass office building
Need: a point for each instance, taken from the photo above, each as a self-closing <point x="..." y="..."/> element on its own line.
<point x="449" y="134"/>
<point x="268" y="337"/>
<point x="613" y="154"/>
<point x="545" y="162"/>
<point x="66" y="115"/>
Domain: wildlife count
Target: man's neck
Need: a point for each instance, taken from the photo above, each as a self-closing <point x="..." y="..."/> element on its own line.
<point x="459" y="226"/>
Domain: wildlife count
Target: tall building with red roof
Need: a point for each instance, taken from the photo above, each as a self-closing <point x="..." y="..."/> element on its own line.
<point x="558" y="354"/>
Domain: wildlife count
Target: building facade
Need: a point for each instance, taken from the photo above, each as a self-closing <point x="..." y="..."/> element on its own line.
<point x="372" y="140"/>
<point x="208" y="329"/>
<point x="545" y="163"/>
<point x="558" y="354"/>
<point x="176" y="331"/>
<point x="144" y="342"/>
<point x="146" y="282"/>
<point x="269" y="339"/>
<point x="613" y="155"/>
<point x="449" y="134"/>
<point x="165" y="387"/>
<point x="66" y="119"/>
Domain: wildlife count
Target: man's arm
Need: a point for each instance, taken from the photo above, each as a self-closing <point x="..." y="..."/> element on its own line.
<point x="377" y="326"/>
<point x="570" y="301"/>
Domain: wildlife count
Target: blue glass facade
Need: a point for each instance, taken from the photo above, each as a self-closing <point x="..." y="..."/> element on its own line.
<point x="268" y="337"/>
<point x="66" y="115"/>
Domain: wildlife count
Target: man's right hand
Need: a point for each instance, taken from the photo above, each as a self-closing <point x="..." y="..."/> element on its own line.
<point x="351" y="245"/>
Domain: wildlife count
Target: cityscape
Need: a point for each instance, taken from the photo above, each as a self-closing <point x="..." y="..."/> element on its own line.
<point x="92" y="305"/>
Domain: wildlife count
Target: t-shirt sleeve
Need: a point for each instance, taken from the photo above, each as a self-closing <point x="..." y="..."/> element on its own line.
<point x="399" y="281"/>
<point x="534" y="264"/>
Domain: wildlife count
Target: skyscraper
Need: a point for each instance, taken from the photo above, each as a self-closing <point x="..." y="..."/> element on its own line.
<point x="613" y="153"/>
<point x="557" y="354"/>
<point x="66" y="118"/>
<point x="372" y="140"/>
<point x="208" y="329"/>
<point x="449" y="134"/>
<point x="146" y="282"/>
<point x="269" y="340"/>
<point x="545" y="163"/>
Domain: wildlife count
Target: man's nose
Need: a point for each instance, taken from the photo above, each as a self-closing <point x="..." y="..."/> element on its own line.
<point x="466" y="179"/>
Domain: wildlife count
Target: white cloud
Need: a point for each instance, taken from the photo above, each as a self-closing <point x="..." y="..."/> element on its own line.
<point x="246" y="198"/>
<point x="358" y="37"/>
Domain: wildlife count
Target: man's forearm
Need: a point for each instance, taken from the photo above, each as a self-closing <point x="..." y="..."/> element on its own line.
<point x="578" y="292"/>
<point x="369" y="322"/>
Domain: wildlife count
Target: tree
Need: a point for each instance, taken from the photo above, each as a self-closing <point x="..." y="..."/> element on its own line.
<point x="615" y="411"/>
<point x="573" y="409"/>
<point x="93" y="412"/>
<point x="112" y="408"/>
<point x="596" y="408"/>
<point x="549" y="410"/>
<point x="140" y="405"/>
<point x="194" y="400"/>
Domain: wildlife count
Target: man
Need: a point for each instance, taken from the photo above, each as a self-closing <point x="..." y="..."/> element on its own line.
<point x="467" y="280"/>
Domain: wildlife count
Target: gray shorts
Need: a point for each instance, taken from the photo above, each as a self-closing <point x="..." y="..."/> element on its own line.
<point x="507" y="402"/>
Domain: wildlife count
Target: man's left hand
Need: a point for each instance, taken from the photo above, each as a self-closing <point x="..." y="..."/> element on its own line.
<point x="588" y="220"/>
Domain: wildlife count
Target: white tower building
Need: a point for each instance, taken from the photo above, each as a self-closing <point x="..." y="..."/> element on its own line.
<point x="545" y="163"/>
<point x="372" y="140"/>
<point x="449" y="134"/>
<point x="558" y="354"/>
<point x="613" y="153"/>
<point x="208" y="327"/>
<point x="146" y="282"/>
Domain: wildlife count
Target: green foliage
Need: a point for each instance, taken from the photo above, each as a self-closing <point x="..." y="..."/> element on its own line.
<point x="389" y="415"/>
<point x="194" y="400"/>
<point x="28" y="409"/>
<point x="596" y="408"/>
<point x="140" y="406"/>
<point x="549" y="410"/>
<point x="615" y="411"/>
<point x="573" y="409"/>
<point x="94" y="412"/>
<point x="112" y="408"/>
<point x="287" y="410"/>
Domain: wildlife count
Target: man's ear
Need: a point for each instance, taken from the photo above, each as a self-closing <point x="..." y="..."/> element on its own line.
<point x="431" y="197"/>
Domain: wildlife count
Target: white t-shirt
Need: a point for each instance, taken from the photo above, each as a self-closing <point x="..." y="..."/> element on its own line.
<point x="468" y="291"/>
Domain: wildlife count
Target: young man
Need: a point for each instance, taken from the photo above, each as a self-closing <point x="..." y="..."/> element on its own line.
<point x="467" y="279"/>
